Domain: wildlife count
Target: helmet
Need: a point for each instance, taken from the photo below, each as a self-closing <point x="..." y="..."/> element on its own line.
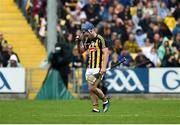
<point x="87" y="26"/>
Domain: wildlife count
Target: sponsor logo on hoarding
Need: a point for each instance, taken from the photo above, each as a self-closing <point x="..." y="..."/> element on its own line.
<point x="171" y="80"/>
<point x="3" y="82"/>
<point x="119" y="81"/>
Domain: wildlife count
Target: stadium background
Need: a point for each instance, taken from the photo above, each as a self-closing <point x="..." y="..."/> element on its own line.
<point x="146" y="32"/>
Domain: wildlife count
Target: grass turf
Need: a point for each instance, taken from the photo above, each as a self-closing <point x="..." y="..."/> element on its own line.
<point x="79" y="111"/>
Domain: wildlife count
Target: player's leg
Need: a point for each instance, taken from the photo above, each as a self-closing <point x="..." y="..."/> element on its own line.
<point x="94" y="90"/>
<point x="99" y="92"/>
<point x="94" y="98"/>
<point x="102" y="96"/>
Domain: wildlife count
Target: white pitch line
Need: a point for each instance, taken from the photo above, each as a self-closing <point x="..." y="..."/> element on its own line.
<point x="102" y="115"/>
<point x="74" y="115"/>
<point x="91" y="115"/>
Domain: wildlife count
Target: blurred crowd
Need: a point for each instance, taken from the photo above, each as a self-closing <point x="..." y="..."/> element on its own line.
<point x="8" y="58"/>
<point x="146" y="32"/>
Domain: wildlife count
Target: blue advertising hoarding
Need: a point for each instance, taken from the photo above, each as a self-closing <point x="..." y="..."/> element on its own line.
<point x="141" y="80"/>
<point x="120" y="80"/>
<point x="129" y="80"/>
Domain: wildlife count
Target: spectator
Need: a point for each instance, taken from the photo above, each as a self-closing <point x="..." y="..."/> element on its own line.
<point x="105" y="30"/>
<point x="162" y="9"/>
<point x="127" y="55"/>
<point x="114" y="36"/>
<point x="170" y="21"/>
<point x="149" y="8"/>
<point x="114" y="3"/>
<point x="78" y="15"/>
<point x="153" y="57"/>
<point x="140" y="37"/>
<point x="144" y="23"/>
<point x="77" y="63"/>
<point x="129" y="27"/>
<point x="111" y="51"/>
<point x="154" y="16"/>
<point x="108" y="15"/>
<point x="164" y="30"/>
<point x="91" y="9"/>
<point x="5" y="55"/>
<point x="176" y="12"/>
<point x="13" y="62"/>
<point x="150" y="32"/>
<point x="172" y="4"/>
<point x="124" y="12"/>
<point x="77" y="59"/>
<point x="11" y="52"/>
<point x="146" y="50"/>
<point x="162" y="49"/>
<point x="157" y="40"/>
<point x="70" y="41"/>
<point x="117" y="46"/>
<point x="127" y="14"/>
<point x="120" y="29"/>
<point x="118" y="10"/>
<point x="131" y="45"/>
<point x="169" y="59"/>
<point x="117" y="21"/>
<point x="82" y="3"/>
<point x="2" y="40"/>
<point x="138" y="17"/>
<point x="176" y="42"/>
<point x="142" y="61"/>
<point x="43" y="28"/>
<point x="114" y="60"/>
<point x="177" y="28"/>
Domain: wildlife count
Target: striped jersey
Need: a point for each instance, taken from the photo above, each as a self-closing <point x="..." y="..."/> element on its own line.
<point x="95" y="47"/>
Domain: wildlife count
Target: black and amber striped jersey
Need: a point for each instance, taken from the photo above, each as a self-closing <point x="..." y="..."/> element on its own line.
<point x="95" y="47"/>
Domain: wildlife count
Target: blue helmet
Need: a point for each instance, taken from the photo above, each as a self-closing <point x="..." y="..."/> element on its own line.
<point x="87" y="26"/>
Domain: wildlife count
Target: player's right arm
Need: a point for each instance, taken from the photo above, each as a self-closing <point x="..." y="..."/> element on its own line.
<point x="81" y="47"/>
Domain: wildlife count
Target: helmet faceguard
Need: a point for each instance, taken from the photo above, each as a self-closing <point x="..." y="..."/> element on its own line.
<point x="87" y="27"/>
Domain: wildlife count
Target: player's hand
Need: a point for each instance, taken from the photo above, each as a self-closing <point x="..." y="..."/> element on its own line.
<point x="103" y="71"/>
<point x="77" y="39"/>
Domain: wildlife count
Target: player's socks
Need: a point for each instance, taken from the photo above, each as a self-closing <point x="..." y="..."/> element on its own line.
<point x="106" y="106"/>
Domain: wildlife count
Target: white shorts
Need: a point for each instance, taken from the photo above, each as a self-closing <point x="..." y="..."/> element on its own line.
<point x="93" y="71"/>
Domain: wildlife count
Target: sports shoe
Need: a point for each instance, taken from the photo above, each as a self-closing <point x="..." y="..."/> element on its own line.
<point x="95" y="110"/>
<point x="106" y="106"/>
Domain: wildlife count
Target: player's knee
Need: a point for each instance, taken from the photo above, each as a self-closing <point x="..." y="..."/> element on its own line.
<point x="92" y="89"/>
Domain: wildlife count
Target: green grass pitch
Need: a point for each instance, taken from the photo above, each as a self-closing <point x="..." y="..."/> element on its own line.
<point x="79" y="111"/>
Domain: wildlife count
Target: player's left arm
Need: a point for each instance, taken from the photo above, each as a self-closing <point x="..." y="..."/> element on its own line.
<point x="105" y="59"/>
<point x="105" y="56"/>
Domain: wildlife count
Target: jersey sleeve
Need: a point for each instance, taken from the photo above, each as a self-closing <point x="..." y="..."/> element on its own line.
<point x="102" y="42"/>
